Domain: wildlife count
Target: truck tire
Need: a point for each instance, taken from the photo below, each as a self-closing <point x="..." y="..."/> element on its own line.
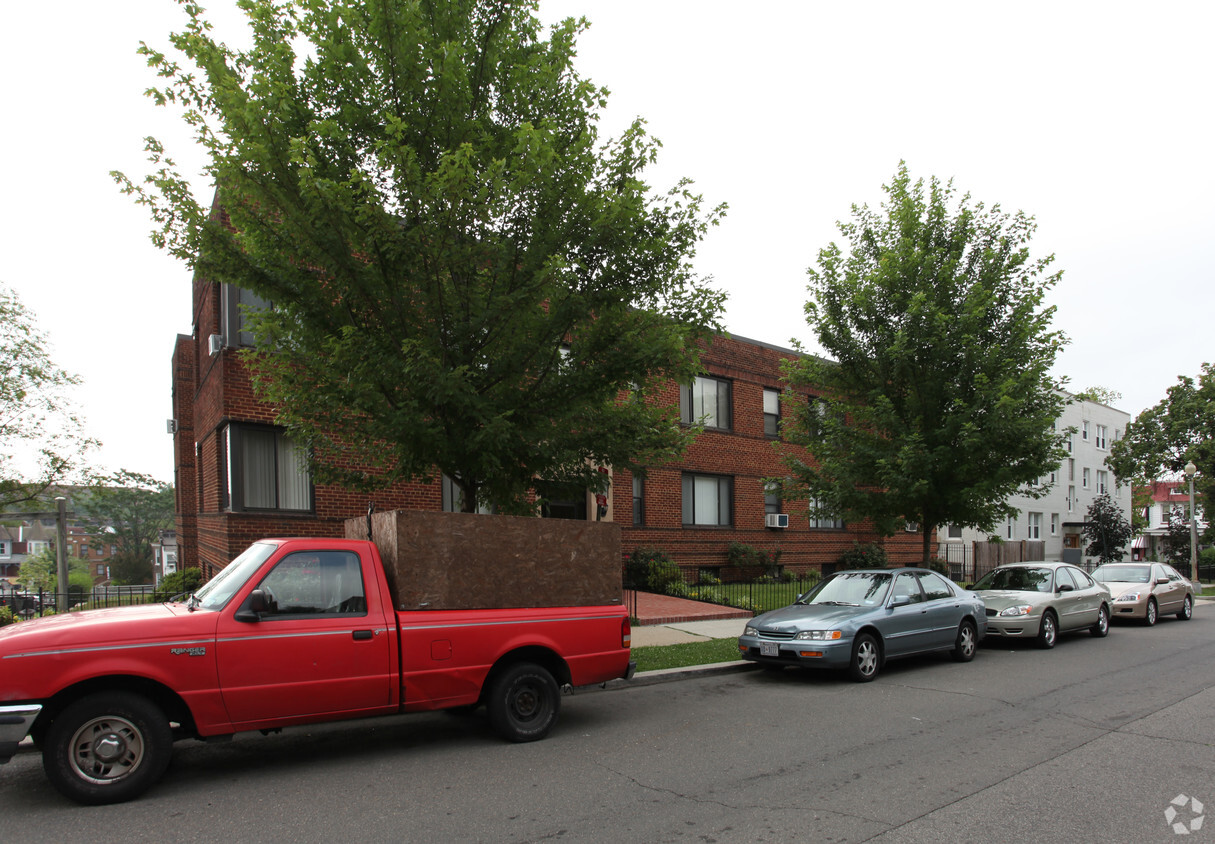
<point x="107" y="748"/>
<point x="523" y="702"/>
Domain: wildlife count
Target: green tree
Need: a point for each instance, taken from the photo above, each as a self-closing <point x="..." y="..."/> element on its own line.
<point x="463" y="276"/>
<point x="938" y="405"/>
<point x="1177" y="541"/>
<point x="1106" y="529"/>
<point x="38" y="573"/>
<point x="37" y="417"/>
<point x="1163" y="438"/>
<point x="1101" y="395"/>
<point x="128" y="510"/>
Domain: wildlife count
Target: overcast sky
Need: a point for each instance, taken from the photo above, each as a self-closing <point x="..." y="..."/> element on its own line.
<point x="1095" y="118"/>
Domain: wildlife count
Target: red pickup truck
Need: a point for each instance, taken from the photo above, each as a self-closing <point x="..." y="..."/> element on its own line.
<point x="293" y="631"/>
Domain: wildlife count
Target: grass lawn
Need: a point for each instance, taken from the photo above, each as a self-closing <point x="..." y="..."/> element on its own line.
<point x="1208" y="591"/>
<point x="654" y="657"/>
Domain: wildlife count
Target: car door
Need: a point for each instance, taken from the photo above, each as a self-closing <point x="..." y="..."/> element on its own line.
<point x="1171" y="593"/>
<point x="906" y="628"/>
<point x="318" y="647"/>
<point x="943" y="607"/>
<point x="1084" y="603"/>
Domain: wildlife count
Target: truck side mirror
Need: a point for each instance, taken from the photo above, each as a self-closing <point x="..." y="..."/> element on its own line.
<point x="253" y="607"/>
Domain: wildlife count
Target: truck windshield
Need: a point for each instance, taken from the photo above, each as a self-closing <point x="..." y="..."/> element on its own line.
<point x="220" y="589"/>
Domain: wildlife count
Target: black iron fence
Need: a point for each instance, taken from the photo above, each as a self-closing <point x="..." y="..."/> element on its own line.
<point x="38" y="603"/>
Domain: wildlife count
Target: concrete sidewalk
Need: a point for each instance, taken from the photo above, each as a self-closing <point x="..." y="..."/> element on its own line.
<point x="688" y="631"/>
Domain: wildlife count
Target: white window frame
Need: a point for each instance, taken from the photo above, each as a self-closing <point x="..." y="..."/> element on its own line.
<point x="712" y="407"/>
<point x="1101" y="437"/>
<point x="1085" y="477"/>
<point x="1103" y="481"/>
<point x="1034" y="526"/>
<point x="1054" y="524"/>
<point x="823" y="522"/>
<point x="771" y="412"/>
<point x="1084" y="430"/>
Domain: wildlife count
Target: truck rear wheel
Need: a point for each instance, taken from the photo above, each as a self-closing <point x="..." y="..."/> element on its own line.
<point x="523" y="702"/>
<point x="107" y="748"/>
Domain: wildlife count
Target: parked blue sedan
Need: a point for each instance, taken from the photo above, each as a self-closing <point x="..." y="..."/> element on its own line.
<point x="859" y="619"/>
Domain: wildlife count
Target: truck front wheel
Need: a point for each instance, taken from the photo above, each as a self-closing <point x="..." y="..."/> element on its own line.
<point x="107" y="748"/>
<point x="523" y="702"/>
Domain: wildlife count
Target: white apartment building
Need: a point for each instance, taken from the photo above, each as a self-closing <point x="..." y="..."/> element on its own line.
<point x="1058" y="518"/>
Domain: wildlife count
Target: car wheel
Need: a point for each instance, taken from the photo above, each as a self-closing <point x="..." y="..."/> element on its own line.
<point x="1049" y="631"/>
<point x="866" y="658"/>
<point x="1187" y="609"/>
<point x="966" y="643"/>
<point x="107" y="748"/>
<point x="1102" y="627"/>
<point x="523" y="703"/>
<point x="1150" y="617"/>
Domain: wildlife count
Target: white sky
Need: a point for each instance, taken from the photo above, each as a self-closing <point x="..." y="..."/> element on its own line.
<point x="1095" y="118"/>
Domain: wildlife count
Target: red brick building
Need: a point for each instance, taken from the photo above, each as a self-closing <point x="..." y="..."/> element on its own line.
<point x="238" y="475"/>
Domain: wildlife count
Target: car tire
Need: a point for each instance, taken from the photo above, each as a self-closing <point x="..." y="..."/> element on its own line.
<point x="1048" y="631"/>
<point x="1187" y="609"/>
<point x="107" y="747"/>
<point x="866" y="658"/>
<point x="1102" y="628"/>
<point x="967" y="643"/>
<point x="523" y="703"/>
<point x="1152" y="615"/>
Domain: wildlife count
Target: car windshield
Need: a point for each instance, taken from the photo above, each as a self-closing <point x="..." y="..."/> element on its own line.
<point x="220" y="589"/>
<point x="852" y="589"/>
<point x="1019" y="579"/>
<point x="1123" y="574"/>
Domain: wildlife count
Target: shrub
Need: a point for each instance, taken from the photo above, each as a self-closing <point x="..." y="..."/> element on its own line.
<point x="711" y="595"/>
<point x="6" y="616"/>
<point x="652" y="570"/>
<point x="708" y="578"/>
<point x="678" y="589"/>
<point x="811" y="577"/>
<point x="869" y="556"/>
<point x="183" y="580"/>
<point x="788" y="577"/>
<point x="746" y="556"/>
<point x="743" y="602"/>
<point x="939" y="566"/>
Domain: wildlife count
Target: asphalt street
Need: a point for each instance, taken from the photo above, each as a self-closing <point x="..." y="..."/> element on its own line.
<point x="1091" y="741"/>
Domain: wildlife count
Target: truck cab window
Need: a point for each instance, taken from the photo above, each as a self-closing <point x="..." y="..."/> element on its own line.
<point x="316" y="582"/>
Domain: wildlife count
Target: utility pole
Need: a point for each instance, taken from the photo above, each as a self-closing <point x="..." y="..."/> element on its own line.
<point x="61" y="563"/>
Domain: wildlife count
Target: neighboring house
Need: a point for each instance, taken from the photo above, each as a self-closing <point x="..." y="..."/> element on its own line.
<point x="239" y="477"/>
<point x="164" y="556"/>
<point x="1165" y="498"/>
<point x="12" y="554"/>
<point x="1058" y="519"/>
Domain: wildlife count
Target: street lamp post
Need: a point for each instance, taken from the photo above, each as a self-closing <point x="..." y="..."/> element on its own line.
<point x="1190" y="470"/>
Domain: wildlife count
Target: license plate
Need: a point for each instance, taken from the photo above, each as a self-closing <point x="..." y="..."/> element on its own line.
<point x="769" y="649"/>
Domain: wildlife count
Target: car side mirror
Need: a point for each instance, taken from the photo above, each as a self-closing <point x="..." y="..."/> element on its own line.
<point x="900" y="601"/>
<point x="1063" y="587"/>
<point x="253" y="607"/>
<point x="1162" y="581"/>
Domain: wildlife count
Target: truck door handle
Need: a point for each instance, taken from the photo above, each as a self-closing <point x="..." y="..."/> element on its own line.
<point x="361" y="634"/>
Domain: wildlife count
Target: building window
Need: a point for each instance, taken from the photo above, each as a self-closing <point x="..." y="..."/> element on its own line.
<point x="638" y="501"/>
<point x="101" y="570"/>
<point x="1011" y="527"/>
<point x="954" y="532"/>
<point x="1035" y="526"/>
<point x="1084" y="477"/>
<point x="1100" y="437"/>
<point x="1054" y="476"/>
<point x="771" y="412"/>
<point x="1103" y="480"/>
<point x="1071" y="468"/>
<point x="705" y="400"/>
<point x="708" y="500"/>
<point x="266" y="471"/>
<point x="235" y="303"/>
<point x="1071" y="499"/>
<point x="1084" y="431"/>
<point x="453" y="498"/>
<point x="772" y="500"/>
<point x="6" y="548"/>
<point x="1054" y="524"/>
<point x="822" y="518"/>
<point x="84" y="550"/>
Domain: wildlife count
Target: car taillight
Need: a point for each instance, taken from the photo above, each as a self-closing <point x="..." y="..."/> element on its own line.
<point x="626" y="634"/>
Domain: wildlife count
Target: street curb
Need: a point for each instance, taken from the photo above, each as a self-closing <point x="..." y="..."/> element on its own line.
<point x="669" y="675"/>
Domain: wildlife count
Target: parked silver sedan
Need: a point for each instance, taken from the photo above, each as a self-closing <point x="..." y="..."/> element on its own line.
<point x="859" y="619"/>
<point x="1041" y="600"/>
<point x="1147" y="591"/>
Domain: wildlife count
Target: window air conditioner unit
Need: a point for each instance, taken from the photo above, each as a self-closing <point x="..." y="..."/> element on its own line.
<point x="171" y="426"/>
<point x="776" y="520"/>
<point x="214" y="343"/>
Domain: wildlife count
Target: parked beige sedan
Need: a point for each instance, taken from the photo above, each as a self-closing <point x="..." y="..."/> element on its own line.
<point x="1039" y="601"/>
<point x="1147" y="591"/>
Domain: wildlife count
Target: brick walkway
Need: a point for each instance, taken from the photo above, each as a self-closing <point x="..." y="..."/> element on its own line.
<point x="663" y="609"/>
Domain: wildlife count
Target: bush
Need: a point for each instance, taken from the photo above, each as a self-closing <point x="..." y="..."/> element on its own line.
<point x="6" y="616"/>
<point x="652" y="570"/>
<point x="708" y="578"/>
<point x="745" y="556"/>
<point x="743" y="602"/>
<point x="811" y="577"/>
<point x="869" y="556"/>
<point x="678" y="589"/>
<point x="183" y="580"/>
<point x="939" y="566"/>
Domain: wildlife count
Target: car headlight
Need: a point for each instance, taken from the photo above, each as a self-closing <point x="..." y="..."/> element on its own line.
<point x="1129" y="597"/>
<point x="751" y="631"/>
<point x="1023" y="609"/>
<point x="819" y="634"/>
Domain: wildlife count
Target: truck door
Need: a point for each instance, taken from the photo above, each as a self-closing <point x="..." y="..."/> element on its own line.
<point x="318" y="646"/>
